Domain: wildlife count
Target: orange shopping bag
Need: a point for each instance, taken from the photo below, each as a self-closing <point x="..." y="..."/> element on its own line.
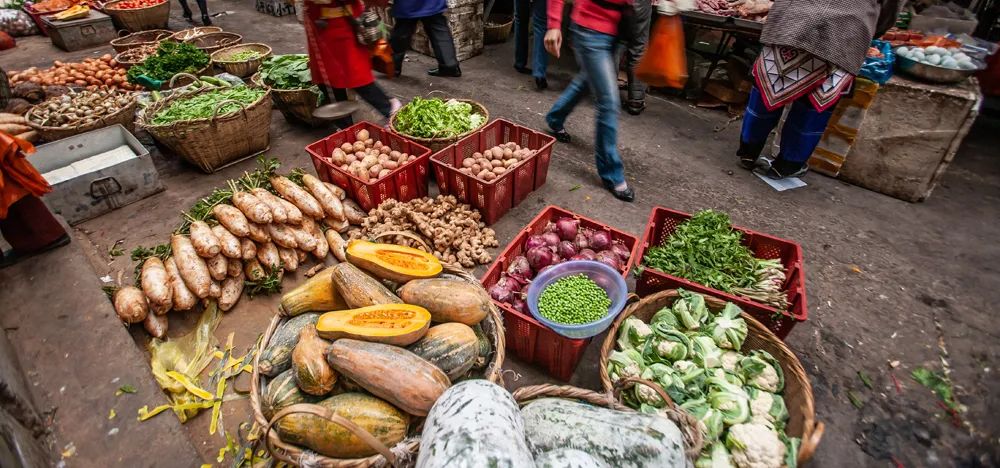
<point x="664" y="64"/>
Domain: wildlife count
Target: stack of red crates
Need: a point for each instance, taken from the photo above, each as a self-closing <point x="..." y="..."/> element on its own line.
<point x="528" y="339"/>
<point x="405" y="183"/>
<point x="662" y="223"/>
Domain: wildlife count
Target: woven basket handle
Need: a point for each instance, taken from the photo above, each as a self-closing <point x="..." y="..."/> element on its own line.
<point x="629" y="382"/>
<point x="172" y="78"/>
<point x="218" y="107"/>
<point x="406" y="234"/>
<point x="808" y="446"/>
<point x="326" y="413"/>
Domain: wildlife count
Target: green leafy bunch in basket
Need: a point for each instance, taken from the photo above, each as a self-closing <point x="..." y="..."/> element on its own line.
<point x="436" y="118"/>
<point x="170" y="59"/>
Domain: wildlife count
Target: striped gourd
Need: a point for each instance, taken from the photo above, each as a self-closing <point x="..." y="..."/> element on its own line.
<point x="453" y="347"/>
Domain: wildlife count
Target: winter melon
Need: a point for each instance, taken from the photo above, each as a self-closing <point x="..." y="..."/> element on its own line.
<point x="568" y="458"/>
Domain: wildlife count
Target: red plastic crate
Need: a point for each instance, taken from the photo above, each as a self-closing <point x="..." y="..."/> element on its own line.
<point x="528" y="339"/>
<point x="405" y="183"/>
<point x="494" y="198"/>
<point x="663" y="222"/>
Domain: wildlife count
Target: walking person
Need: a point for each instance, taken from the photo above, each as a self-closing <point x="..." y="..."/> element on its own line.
<point x="430" y="13"/>
<point x="202" y="7"/>
<point x="812" y="51"/>
<point x="531" y="18"/>
<point x="635" y="46"/>
<point x="337" y="61"/>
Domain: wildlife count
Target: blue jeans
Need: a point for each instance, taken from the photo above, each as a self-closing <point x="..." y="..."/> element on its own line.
<point x="595" y="54"/>
<point x="803" y="128"/>
<point x="533" y="11"/>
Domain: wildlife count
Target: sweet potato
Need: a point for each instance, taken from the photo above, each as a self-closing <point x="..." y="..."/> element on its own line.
<point x="352" y="210"/>
<point x="337" y="244"/>
<point x="278" y="213"/>
<point x="303" y="238"/>
<point x="156" y="325"/>
<point x="230" y="244"/>
<point x="258" y="232"/>
<point x="282" y="235"/>
<point x="254" y="271"/>
<point x="267" y="254"/>
<point x="218" y="267"/>
<point x="322" y="247"/>
<point x="232" y="219"/>
<point x="156" y="286"/>
<point x="204" y="241"/>
<point x="234" y="268"/>
<point x="298" y="196"/>
<point x="248" y="250"/>
<point x="130" y="304"/>
<point x="294" y="213"/>
<point x="301" y="255"/>
<point x="251" y="206"/>
<point x="330" y="203"/>
<point x="184" y="299"/>
<point x="193" y="269"/>
<point x="215" y="290"/>
<point x="339" y="192"/>
<point x="339" y="226"/>
<point x="232" y="289"/>
<point x="289" y="258"/>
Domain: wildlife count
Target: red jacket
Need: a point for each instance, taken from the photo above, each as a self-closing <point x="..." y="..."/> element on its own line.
<point x="588" y="14"/>
<point x="335" y="57"/>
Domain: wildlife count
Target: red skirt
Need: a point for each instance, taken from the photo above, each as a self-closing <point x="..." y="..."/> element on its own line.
<point x="335" y="57"/>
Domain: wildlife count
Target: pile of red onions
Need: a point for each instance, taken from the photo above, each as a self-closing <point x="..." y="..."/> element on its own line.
<point x="562" y="240"/>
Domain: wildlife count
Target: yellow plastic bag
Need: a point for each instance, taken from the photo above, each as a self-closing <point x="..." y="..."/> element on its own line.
<point x="664" y="64"/>
<point x="177" y="363"/>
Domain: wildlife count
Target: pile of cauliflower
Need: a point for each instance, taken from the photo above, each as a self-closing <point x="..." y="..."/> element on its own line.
<point x="694" y="355"/>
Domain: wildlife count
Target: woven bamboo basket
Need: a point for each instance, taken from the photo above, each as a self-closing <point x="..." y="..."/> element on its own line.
<point x="216" y="142"/>
<point x="405" y="450"/>
<point x="687" y="424"/>
<point x="241" y="68"/>
<point x="125" y="116"/>
<point x="184" y="79"/>
<point x="138" y="39"/>
<point x="797" y="393"/>
<point x="296" y="105"/>
<point x="437" y="144"/>
<point x="134" y="56"/>
<point x="497" y="29"/>
<point x="140" y="19"/>
<point x="191" y="33"/>
<point x="213" y="41"/>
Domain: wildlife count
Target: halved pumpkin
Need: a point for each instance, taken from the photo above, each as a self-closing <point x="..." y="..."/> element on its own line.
<point x="393" y="262"/>
<point x="395" y="324"/>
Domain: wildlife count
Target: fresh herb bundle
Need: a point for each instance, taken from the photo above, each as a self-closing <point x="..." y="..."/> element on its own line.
<point x="170" y="59"/>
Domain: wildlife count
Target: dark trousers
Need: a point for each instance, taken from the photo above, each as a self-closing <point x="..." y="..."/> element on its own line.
<point x="202" y="6"/>
<point x="437" y="31"/>
<point x="30" y="226"/>
<point x="371" y="93"/>
<point x="530" y="18"/>
<point x="803" y="129"/>
<point x="635" y="46"/>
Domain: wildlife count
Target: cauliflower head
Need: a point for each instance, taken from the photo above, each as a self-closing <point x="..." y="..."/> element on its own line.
<point x="754" y="445"/>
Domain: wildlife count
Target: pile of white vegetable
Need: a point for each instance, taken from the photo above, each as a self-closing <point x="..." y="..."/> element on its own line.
<point x="952" y="58"/>
<point x="248" y="234"/>
<point x="694" y="355"/>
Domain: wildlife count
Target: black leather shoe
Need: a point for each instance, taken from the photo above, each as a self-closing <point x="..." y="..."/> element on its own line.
<point x="635" y="107"/>
<point x="749" y="153"/>
<point x="206" y="20"/>
<point x="562" y="136"/>
<point x="447" y="72"/>
<point x="541" y="83"/>
<point x="522" y="70"/>
<point x="627" y="195"/>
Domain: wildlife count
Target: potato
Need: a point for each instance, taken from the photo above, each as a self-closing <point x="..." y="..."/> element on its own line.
<point x="383" y="173"/>
<point x="362" y="135"/>
<point x="183" y="298"/>
<point x="351" y="158"/>
<point x="347" y="147"/>
<point x="363" y="175"/>
<point x="466" y="170"/>
<point x="204" y="240"/>
<point x="508" y="153"/>
<point x="369" y="161"/>
<point x="476" y="168"/>
<point x="359" y="146"/>
<point x="482" y="174"/>
<point x="374" y="170"/>
<point x="378" y="145"/>
<point x="468" y="162"/>
<point x="403" y="157"/>
<point x="394" y="154"/>
<point x="369" y="142"/>
<point x="385" y="150"/>
<point x="411" y="158"/>
<point x="232" y="289"/>
<point x="192" y="268"/>
<point x="390" y="164"/>
<point x="338" y="156"/>
<point x="488" y="154"/>
<point x="230" y="244"/>
<point x="130" y="305"/>
<point x="499" y="170"/>
<point x="156" y="325"/>
<point x="475" y="156"/>
<point x="156" y="285"/>
<point x="510" y="162"/>
<point x="218" y="267"/>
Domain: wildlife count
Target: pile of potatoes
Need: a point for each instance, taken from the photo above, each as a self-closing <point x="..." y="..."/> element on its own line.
<point x="368" y="159"/>
<point x="492" y="163"/>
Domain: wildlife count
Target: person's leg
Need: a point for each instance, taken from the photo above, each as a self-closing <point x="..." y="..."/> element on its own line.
<point x="203" y="8"/>
<point x="186" y="9"/>
<point x="522" y="20"/>
<point x="540" y="58"/>
<point x="636" y="90"/>
<point x="439" y="33"/>
<point x="758" y="123"/>
<point x="374" y="95"/>
<point x="30" y="228"/>
<point x="399" y="40"/>
<point x="597" y="57"/>
<point x="801" y="133"/>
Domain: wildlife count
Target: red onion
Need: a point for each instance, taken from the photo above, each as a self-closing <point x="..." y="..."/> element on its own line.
<point x="620" y="250"/>
<point x="551" y="239"/>
<point x="566" y="228"/>
<point x="519" y="305"/>
<point x="600" y="240"/>
<point x="567" y="249"/>
<point x="540" y="257"/>
<point x="588" y="254"/>
<point x="534" y="241"/>
<point x="609" y="258"/>
<point x="501" y="291"/>
<point x="551" y="227"/>
<point x="581" y="241"/>
<point x="579" y="257"/>
<point x="519" y="268"/>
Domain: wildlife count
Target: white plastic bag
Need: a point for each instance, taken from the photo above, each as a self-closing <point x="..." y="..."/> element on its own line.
<point x="17" y="23"/>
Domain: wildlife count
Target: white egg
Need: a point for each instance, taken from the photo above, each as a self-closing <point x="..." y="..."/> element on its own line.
<point x="903" y="51"/>
<point x="953" y="50"/>
<point x="949" y="62"/>
<point x="960" y="56"/>
<point x="917" y="55"/>
<point x="967" y="65"/>
<point x="936" y="50"/>
<point x="933" y="59"/>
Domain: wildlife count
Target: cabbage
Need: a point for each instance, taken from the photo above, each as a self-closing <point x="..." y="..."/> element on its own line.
<point x="728" y="329"/>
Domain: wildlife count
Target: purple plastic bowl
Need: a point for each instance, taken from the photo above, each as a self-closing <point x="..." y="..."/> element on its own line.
<point x="605" y="277"/>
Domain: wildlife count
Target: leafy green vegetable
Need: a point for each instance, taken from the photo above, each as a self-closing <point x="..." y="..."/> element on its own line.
<point x="728" y="328"/>
<point x="202" y="105"/>
<point x="127" y="388"/>
<point x="170" y="59"/>
<point x="434" y="118"/>
<point x="243" y="56"/>
<point x="290" y="71"/>
<point x="938" y="383"/>
<point x="140" y="254"/>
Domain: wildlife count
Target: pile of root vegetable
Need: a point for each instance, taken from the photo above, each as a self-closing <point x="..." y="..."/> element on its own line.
<point x="242" y="237"/>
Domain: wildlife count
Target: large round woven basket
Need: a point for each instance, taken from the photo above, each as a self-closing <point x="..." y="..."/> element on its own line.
<point x="797" y="393"/>
<point x="437" y="144"/>
<point x="138" y="39"/>
<point x="687" y="424"/>
<point x="191" y="33"/>
<point x="184" y="79"/>
<point x="296" y="105"/>
<point x="388" y="456"/>
<point x="136" y="55"/>
<point x="241" y="68"/>
<point x="125" y="116"/>
<point x="216" y="142"/>
<point x="139" y="19"/>
<point x="213" y="41"/>
<point x="497" y="28"/>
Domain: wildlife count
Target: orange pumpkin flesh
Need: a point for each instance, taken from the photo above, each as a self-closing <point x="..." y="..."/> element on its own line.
<point x="393" y="262"/>
<point x="395" y="324"/>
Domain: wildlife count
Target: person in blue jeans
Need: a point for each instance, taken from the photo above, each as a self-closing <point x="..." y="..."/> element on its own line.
<point x="535" y="13"/>
<point x="594" y="31"/>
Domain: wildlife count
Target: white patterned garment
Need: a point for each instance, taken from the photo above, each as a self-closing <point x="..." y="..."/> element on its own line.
<point x="784" y="74"/>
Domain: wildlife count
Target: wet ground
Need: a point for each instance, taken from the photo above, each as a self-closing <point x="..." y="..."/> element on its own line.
<point x="892" y="286"/>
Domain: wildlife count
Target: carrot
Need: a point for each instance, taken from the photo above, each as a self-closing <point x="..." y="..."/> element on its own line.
<point x="355" y="215"/>
<point x="204" y="240"/>
<point x="218" y="267"/>
<point x="130" y="304"/>
<point x="248" y="250"/>
<point x="330" y="203"/>
<point x="253" y="270"/>
<point x="234" y="268"/>
<point x="298" y="196"/>
<point x="233" y="219"/>
<point x="252" y="207"/>
<point x="156" y="286"/>
<point x="156" y="325"/>
<point x="289" y="259"/>
<point x="230" y="244"/>
<point x="184" y="299"/>
<point x="337" y="244"/>
<point x="294" y="213"/>
<point x="282" y="235"/>
<point x="278" y="212"/>
<point x="232" y="289"/>
<point x="267" y="254"/>
<point x="259" y="233"/>
<point x="193" y="269"/>
<point x="339" y="192"/>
